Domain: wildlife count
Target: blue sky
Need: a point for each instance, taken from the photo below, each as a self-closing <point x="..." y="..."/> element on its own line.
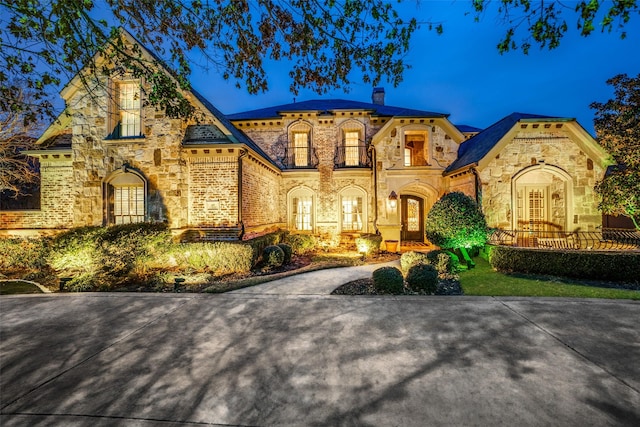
<point x="461" y="72"/>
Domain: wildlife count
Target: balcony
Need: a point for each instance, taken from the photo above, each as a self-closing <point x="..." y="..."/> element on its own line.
<point x="300" y="158"/>
<point x="352" y="156"/>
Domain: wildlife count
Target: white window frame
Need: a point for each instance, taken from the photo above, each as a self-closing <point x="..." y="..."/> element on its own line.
<point x="302" y="210"/>
<point x="347" y="215"/>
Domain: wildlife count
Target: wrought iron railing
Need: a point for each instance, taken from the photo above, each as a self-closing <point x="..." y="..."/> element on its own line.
<point x="352" y="156"/>
<point x="300" y="158"/>
<point x="604" y="239"/>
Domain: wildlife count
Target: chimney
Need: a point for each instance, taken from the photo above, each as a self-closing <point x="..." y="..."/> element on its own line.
<point x="378" y="96"/>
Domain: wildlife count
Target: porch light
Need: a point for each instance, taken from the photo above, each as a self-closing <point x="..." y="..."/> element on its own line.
<point x="393" y="200"/>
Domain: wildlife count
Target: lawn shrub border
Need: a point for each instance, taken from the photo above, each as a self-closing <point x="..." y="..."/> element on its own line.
<point x="611" y="266"/>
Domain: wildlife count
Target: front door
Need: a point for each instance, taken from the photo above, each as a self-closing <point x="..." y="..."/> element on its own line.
<point x="412" y="209"/>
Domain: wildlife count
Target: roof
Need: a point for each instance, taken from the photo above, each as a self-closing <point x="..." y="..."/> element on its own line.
<point x="329" y="105"/>
<point x="468" y="129"/>
<point x="239" y="136"/>
<point x="474" y="149"/>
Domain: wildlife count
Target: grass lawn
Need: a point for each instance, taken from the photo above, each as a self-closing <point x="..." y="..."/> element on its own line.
<point x="13" y="287"/>
<point x="482" y="280"/>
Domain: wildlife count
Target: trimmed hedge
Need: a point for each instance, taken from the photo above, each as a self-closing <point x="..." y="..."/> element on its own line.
<point x="301" y="243"/>
<point x="613" y="266"/>
<point x="259" y="243"/>
<point x="388" y="280"/>
<point x="422" y="278"/>
<point x="273" y="256"/>
<point x="456" y="221"/>
<point x="288" y="252"/>
<point x="411" y="258"/>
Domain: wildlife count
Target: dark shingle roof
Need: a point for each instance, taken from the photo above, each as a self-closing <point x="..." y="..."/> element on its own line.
<point x="468" y="129"/>
<point x="235" y="132"/>
<point x="204" y="134"/>
<point x="474" y="149"/>
<point x="330" y="105"/>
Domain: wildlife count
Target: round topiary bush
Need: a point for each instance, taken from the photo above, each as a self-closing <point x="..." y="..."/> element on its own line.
<point x="287" y="252"/>
<point x="422" y="278"/>
<point x="411" y="258"/>
<point x="272" y="256"/>
<point x="388" y="280"/>
<point x="455" y="221"/>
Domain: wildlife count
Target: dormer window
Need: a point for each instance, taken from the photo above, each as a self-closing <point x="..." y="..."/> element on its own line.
<point x="415" y="150"/>
<point x="126" y="110"/>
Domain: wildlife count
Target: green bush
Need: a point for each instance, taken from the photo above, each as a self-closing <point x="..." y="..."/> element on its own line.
<point x="455" y="221"/>
<point x="258" y="244"/>
<point x="411" y="258"/>
<point x="23" y="254"/>
<point x="287" y="252"/>
<point x="272" y="256"/>
<point x="422" y="278"/>
<point x="301" y="243"/>
<point x="368" y="244"/>
<point x="444" y="261"/>
<point x="219" y="258"/>
<point x="610" y="266"/>
<point x="388" y="280"/>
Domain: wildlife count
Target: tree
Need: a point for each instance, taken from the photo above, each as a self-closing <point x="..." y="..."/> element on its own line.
<point x="46" y="42"/>
<point x="456" y="222"/>
<point x="545" y="24"/>
<point x="16" y="135"/>
<point x="617" y="125"/>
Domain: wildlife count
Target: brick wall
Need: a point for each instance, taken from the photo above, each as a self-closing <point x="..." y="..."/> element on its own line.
<point x="261" y="204"/>
<point x="213" y="191"/>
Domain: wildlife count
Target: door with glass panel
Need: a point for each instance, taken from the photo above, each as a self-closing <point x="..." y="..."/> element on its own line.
<point x="412" y="209"/>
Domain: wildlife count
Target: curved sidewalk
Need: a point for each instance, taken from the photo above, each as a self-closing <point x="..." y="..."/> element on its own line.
<point x="320" y="282"/>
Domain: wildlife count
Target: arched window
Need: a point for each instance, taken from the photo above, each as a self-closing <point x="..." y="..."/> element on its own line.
<point x="541" y="199"/>
<point x="126" y="197"/>
<point x="352" y="150"/>
<point x="299" y="149"/>
<point x="301" y="203"/>
<point x="353" y="210"/>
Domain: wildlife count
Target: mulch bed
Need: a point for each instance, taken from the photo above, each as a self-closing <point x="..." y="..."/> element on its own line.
<point x="365" y="287"/>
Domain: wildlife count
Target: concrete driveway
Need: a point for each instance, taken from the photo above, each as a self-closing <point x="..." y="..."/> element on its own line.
<point x="263" y="359"/>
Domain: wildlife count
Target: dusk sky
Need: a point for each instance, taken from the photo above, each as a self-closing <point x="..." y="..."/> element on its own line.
<point x="461" y="72"/>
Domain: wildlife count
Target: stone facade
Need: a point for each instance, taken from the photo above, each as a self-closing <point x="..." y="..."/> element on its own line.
<point x="554" y="160"/>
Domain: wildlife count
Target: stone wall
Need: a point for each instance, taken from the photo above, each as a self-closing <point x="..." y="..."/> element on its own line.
<point x="552" y="152"/>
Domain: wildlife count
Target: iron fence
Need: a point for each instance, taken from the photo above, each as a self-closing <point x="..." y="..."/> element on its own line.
<point x="353" y="156"/>
<point x="604" y="239"/>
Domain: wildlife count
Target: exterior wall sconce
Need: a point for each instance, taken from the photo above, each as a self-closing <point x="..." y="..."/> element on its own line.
<point x="393" y="200"/>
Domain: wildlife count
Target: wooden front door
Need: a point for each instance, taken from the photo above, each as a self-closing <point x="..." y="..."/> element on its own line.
<point x="412" y="209"/>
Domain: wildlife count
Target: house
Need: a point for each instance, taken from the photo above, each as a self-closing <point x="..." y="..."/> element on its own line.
<point x="333" y="168"/>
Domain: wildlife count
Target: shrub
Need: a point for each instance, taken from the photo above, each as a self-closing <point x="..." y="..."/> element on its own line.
<point x="411" y="258"/>
<point x="444" y="261"/>
<point x="218" y="258"/>
<point x="422" y="278"/>
<point x="23" y="254"/>
<point x="258" y="244"/>
<point x="455" y="221"/>
<point x="388" y="280"/>
<point x="301" y="243"/>
<point x="611" y="266"/>
<point x="272" y="256"/>
<point x="368" y="244"/>
<point x="287" y="252"/>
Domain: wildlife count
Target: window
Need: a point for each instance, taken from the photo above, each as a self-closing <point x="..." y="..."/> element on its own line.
<point x="127" y="112"/>
<point x="351" y="213"/>
<point x="353" y="209"/>
<point x="126" y="196"/>
<point x="414" y="150"/>
<point x="302" y="213"/>
<point x="352" y="148"/>
<point x="301" y="149"/>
